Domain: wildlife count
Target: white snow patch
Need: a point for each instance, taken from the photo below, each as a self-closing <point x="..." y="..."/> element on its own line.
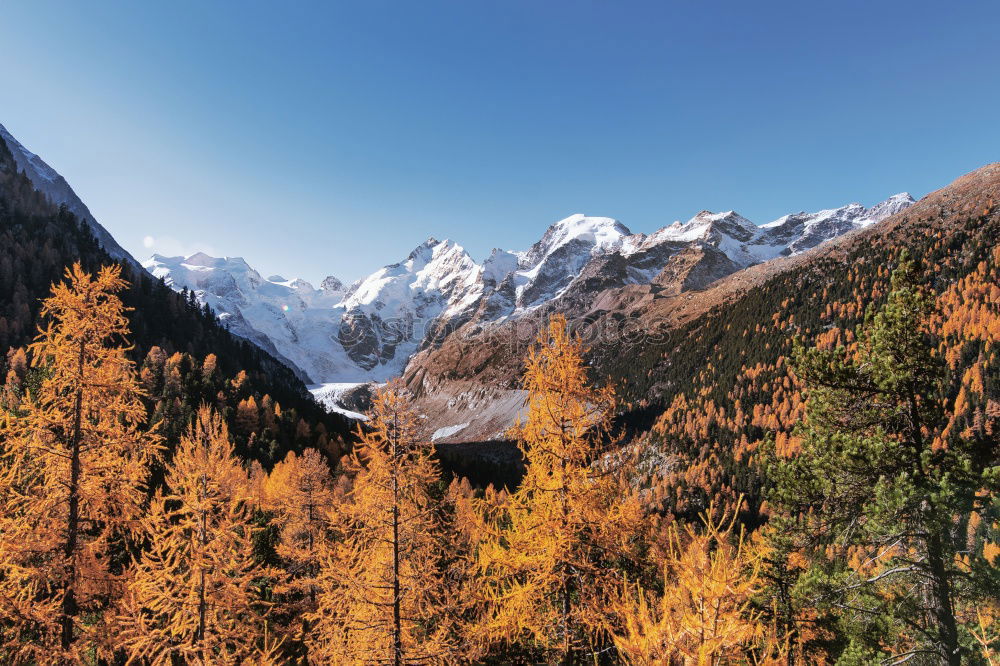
<point x="448" y="431"/>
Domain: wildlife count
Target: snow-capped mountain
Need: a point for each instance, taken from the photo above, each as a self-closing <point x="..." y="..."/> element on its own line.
<point x="388" y="315"/>
<point x="369" y="331"/>
<point x="549" y="266"/>
<point x="802" y="231"/>
<point x="47" y="181"/>
<point x="289" y="318"/>
<point x="366" y="332"/>
<point x="745" y="243"/>
<point x="580" y="256"/>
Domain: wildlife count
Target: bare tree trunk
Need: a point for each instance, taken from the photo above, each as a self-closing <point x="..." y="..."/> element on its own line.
<point x="203" y="539"/>
<point x="69" y="606"/>
<point x="397" y="625"/>
<point x="567" y="657"/>
<point x="942" y="609"/>
<point x="312" y="586"/>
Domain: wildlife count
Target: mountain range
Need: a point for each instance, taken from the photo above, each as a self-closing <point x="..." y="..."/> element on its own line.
<point x="396" y="321"/>
<point x="369" y="331"/>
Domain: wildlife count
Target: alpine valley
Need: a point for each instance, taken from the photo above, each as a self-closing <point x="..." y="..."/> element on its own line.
<point x="499" y="334"/>
<point x="403" y="318"/>
<point x="456" y="329"/>
<point x="791" y="424"/>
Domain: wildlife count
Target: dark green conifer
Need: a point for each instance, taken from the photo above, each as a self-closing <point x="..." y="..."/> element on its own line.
<point x="877" y="492"/>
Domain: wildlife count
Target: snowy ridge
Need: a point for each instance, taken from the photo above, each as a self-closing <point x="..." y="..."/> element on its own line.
<point x="369" y="331"/>
<point x="300" y="322"/>
<point x="801" y="231"/>
<point x="366" y="333"/>
<point x="549" y="266"/>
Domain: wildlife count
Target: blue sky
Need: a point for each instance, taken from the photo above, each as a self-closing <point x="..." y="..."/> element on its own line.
<point x="331" y="138"/>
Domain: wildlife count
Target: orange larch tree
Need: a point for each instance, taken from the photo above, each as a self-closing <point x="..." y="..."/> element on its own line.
<point x="705" y="614"/>
<point x="75" y="461"/>
<point x="383" y="595"/>
<point x="299" y="491"/>
<point x="552" y="551"/>
<point x="195" y="593"/>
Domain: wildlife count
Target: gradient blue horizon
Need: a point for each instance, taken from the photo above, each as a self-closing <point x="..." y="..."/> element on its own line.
<point x="331" y="138"/>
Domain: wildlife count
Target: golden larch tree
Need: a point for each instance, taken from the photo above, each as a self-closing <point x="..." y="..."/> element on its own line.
<point x="10" y="393"/>
<point x="75" y="461"/>
<point x="299" y="490"/>
<point x="383" y="596"/>
<point x="194" y="594"/>
<point x="705" y="614"/>
<point x="550" y="555"/>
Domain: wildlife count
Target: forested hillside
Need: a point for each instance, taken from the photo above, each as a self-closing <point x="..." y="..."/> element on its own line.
<point x="880" y="540"/>
<point x="186" y="356"/>
<point x="722" y="383"/>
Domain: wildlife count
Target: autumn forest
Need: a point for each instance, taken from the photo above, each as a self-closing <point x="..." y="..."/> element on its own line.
<point x="133" y="533"/>
<point x="803" y="469"/>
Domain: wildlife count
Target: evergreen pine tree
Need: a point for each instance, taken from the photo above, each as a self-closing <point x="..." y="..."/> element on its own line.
<point x="877" y="491"/>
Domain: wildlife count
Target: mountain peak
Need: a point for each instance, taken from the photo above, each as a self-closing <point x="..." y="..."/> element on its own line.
<point x="598" y="232"/>
<point x="889" y="207"/>
<point x="424" y="251"/>
<point x="578" y="224"/>
<point x="331" y="284"/>
<point x="201" y="259"/>
<point x="705" y="223"/>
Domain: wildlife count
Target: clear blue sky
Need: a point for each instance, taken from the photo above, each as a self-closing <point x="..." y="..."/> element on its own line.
<point x="319" y="138"/>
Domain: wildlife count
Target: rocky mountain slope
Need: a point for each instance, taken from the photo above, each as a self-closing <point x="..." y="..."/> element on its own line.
<point x="644" y="335"/>
<point x="709" y="379"/>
